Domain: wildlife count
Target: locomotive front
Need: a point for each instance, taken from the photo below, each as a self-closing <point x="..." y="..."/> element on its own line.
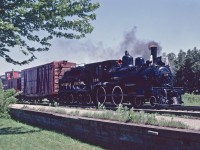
<point x="143" y="82"/>
<point x="162" y="90"/>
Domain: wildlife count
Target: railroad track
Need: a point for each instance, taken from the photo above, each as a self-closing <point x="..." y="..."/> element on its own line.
<point x="191" y="111"/>
<point x="195" y="114"/>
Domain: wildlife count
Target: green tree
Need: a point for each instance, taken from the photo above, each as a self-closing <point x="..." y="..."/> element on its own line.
<point x="21" y="21"/>
<point x="179" y="65"/>
<point x="188" y="70"/>
<point x="179" y="62"/>
<point x="195" y="67"/>
<point x="7" y="97"/>
<point x="1" y="92"/>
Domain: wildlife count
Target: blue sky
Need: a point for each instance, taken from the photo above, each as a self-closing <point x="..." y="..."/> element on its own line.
<point x="174" y="24"/>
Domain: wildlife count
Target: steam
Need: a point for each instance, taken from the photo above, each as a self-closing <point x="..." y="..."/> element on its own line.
<point x="137" y="47"/>
<point x="89" y="51"/>
<point x="86" y="52"/>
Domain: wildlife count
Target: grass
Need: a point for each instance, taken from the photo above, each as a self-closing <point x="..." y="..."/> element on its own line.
<point x="123" y="114"/>
<point x="136" y="117"/>
<point x="18" y="136"/>
<point x="191" y="99"/>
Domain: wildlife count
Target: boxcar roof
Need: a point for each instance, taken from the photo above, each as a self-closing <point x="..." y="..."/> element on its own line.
<point x="53" y="62"/>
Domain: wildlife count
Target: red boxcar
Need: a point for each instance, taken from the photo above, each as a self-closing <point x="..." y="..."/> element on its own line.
<point x="12" y="75"/>
<point x="42" y="81"/>
<point x="12" y="80"/>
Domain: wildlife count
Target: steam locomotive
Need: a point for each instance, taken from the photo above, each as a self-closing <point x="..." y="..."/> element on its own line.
<point x="119" y="81"/>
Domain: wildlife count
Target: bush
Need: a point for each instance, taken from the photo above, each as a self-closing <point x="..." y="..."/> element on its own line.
<point x="7" y="97"/>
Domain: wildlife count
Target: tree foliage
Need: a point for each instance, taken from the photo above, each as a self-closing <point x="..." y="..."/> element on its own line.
<point x="21" y="21"/>
<point x="7" y="97"/>
<point x="187" y="66"/>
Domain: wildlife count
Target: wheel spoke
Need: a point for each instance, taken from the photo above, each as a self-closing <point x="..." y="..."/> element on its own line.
<point x="137" y="102"/>
<point x="80" y="98"/>
<point x="88" y="98"/>
<point x="71" y="98"/>
<point x="101" y="95"/>
<point x="153" y="101"/>
<point x="117" y="95"/>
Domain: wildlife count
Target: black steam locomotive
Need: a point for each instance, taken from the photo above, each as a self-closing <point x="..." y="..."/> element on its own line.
<point x="121" y="82"/>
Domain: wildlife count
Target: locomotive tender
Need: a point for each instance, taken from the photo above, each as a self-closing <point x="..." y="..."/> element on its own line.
<point x="121" y="82"/>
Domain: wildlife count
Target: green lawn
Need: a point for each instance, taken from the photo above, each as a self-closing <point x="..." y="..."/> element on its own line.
<point x="191" y="99"/>
<point x="18" y="136"/>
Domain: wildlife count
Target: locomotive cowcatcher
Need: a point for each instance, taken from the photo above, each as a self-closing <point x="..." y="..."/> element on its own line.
<point x="121" y="82"/>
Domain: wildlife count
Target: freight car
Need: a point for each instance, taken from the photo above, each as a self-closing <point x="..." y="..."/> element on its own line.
<point x="41" y="81"/>
<point x="12" y="80"/>
<point x="121" y="82"/>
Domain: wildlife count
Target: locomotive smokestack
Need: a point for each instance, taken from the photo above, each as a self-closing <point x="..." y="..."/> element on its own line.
<point x="153" y="49"/>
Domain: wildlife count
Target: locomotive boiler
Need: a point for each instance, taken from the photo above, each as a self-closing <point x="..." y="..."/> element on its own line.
<point x="145" y="82"/>
<point x="121" y="82"/>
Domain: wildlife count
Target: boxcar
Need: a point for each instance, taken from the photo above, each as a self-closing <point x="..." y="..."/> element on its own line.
<point x="12" y="75"/>
<point x="41" y="81"/>
<point x="12" y="80"/>
<point x="14" y="83"/>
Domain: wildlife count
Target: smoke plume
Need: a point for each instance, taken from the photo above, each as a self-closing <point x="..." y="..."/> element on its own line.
<point x="137" y="47"/>
<point x="89" y="51"/>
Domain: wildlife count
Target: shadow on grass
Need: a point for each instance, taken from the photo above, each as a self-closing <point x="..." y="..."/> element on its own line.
<point x="16" y="130"/>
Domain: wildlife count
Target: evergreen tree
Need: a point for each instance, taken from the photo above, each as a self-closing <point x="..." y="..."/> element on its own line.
<point x="188" y="70"/>
<point x="179" y="62"/>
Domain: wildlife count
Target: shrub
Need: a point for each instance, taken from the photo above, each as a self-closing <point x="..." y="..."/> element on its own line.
<point x="6" y="97"/>
<point x="144" y="118"/>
